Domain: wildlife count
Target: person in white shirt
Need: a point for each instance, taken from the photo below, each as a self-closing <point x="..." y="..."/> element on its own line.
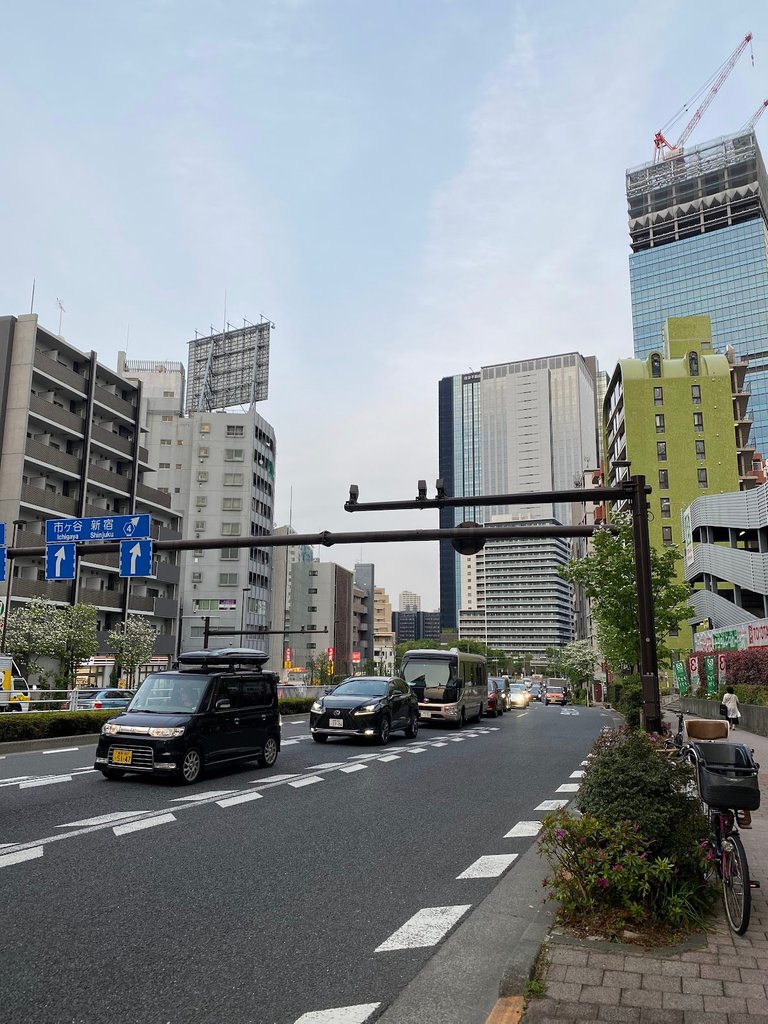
<point x="731" y="702"/>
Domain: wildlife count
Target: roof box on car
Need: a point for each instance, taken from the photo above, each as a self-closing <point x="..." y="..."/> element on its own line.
<point x="225" y="656"/>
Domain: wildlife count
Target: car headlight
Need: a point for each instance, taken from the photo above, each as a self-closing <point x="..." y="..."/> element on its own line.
<point x="450" y="707"/>
<point x="166" y="734"/>
<point x="108" y="729"/>
<point x="317" y="707"/>
<point x="367" y="709"/>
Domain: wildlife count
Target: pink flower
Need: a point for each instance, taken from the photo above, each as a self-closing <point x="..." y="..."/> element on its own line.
<point x="603" y="883"/>
<point x="561" y="833"/>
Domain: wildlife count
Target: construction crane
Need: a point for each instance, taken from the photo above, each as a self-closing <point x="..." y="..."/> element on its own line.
<point x="663" y="148"/>
<point x="754" y="119"/>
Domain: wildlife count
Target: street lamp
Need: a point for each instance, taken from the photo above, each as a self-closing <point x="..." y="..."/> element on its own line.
<point x="9" y="589"/>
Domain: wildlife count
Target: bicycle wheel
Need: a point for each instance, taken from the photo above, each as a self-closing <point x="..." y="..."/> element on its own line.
<point x="737" y="896"/>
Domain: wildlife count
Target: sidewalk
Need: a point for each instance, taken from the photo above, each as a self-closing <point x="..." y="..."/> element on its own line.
<point x="718" y="978"/>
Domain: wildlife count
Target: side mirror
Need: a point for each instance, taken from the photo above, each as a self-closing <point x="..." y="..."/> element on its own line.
<point x="223" y="705"/>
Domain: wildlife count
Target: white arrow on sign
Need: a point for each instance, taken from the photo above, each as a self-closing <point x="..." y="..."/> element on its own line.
<point x="135" y="553"/>
<point x="59" y="555"/>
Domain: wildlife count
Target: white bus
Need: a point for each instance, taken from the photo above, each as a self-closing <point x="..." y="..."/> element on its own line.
<point x="451" y="686"/>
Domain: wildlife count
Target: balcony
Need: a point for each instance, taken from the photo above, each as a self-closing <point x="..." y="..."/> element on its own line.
<point x="60" y="374"/>
<point x="153" y="496"/>
<point x="119" y="483"/>
<point x="114" y="404"/>
<point x="59" y="591"/>
<point x="55" y="414"/>
<point x="109" y="439"/>
<point x="47" y="501"/>
<point x="54" y="457"/>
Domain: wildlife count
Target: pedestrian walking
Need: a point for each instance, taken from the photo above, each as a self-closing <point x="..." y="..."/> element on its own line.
<point x="731" y="702"/>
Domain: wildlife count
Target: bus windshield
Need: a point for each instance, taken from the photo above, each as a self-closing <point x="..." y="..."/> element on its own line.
<point x="431" y="678"/>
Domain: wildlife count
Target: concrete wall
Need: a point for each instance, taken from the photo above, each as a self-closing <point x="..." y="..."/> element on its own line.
<point x="753" y="718"/>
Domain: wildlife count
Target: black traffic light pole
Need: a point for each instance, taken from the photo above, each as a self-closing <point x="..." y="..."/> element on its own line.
<point x="209" y="631"/>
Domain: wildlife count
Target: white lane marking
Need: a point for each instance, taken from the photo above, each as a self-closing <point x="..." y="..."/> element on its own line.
<point x="490" y="866"/>
<point x="202" y="796"/>
<point x="456" y="739"/>
<point x="243" y="798"/>
<point x="426" y="928"/>
<point x="272" y="778"/>
<point x="390" y="757"/>
<point x="493" y="728"/>
<point x="16" y="858"/>
<point x="523" y="714"/>
<point x="288" y="743"/>
<point x="61" y="750"/>
<point x="577" y="775"/>
<point x="568" y="787"/>
<point x="585" y="762"/>
<point x="551" y="805"/>
<point x="568" y="711"/>
<point x="309" y="781"/>
<point x="46" y="782"/>
<point x="14" y="780"/>
<point x="353" y="768"/>
<point x="440" y="743"/>
<point x="340" y="1015"/>
<point x="362" y="757"/>
<point x="326" y="764"/>
<point x="524" y="828"/>
<point x="102" y="819"/>
<point x="291" y="721"/>
<point x="136" y="826"/>
<point x="416" y="750"/>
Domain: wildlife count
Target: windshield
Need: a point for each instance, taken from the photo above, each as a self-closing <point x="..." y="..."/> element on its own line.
<point x="432" y="679"/>
<point x="554" y="689"/>
<point x="363" y="687"/>
<point x="169" y="693"/>
<point x="518" y="687"/>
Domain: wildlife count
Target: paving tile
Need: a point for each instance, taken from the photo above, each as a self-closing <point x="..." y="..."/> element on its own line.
<point x="755" y="1010"/>
<point x="567" y="955"/>
<point x="737" y="961"/>
<point x="584" y="975"/>
<point x="680" y="970"/>
<point x="740" y="990"/>
<point x="748" y="1018"/>
<point x="699" y="956"/>
<point x="578" y="1011"/>
<point x="556" y="972"/>
<point x="661" y="983"/>
<point x="681" y="1001"/>
<point x="720" y="972"/>
<point x="696" y="1017"/>
<point x="751" y="977"/>
<point x="620" y="1014"/>
<point x="725" y="1004"/>
<point x="608" y="961"/>
<point x="704" y="986"/>
<point x="622" y="979"/>
<point x="642" y="964"/>
<point x="600" y="994"/>
<point x="639" y="997"/>
<point x="649" y="1016"/>
<point x="562" y="990"/>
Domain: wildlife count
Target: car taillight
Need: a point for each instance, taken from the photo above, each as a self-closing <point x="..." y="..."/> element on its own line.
<point x="97" y="704"/>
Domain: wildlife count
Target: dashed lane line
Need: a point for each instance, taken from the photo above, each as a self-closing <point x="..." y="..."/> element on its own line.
<point x="6" y="859"/>
<point x="102" y="819"/>
<point x="426" y="928"/>
<point x="551" y="805"/>
<point x="310" y="780"/>
<point x="353" y="768"/>
<point x="137" y="826"/>
<point x="61" y="750"/>
<point x="340" y="1015"/>
<point x="197" y="797"/>
<point x="390" y="757"/>
<point x="325" y="764"/>
<point x="490" y="866"/>
<point x="524" y="828"/>
<point x="242" y="798"/>
<point x="416" y="750"/>
<point x="577" y="775"/>
<point x="50" y="781"/>
<point x="568" y="787"/>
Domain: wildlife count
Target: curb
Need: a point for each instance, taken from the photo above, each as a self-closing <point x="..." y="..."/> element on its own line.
<point x="18" y="746"/>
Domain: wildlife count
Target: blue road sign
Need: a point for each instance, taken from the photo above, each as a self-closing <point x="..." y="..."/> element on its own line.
<point x="3" y="563"/>
<point x="2" y="535"/>
<point x="136" y="558"/>
<point x="60" y="561"/>
<point x="69" y="531"/>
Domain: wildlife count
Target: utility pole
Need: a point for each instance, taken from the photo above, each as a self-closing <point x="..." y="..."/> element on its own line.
<point x="649" y="662"/>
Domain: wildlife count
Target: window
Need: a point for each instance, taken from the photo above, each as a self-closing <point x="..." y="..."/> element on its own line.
<point x="203" y="451"/>
<point x="199" y="525"/>
<point x="234" y="455"/>
<point x="313" y="572"/>
<point x="661" y="451"/>
<point x="230" y="554"/>
<point x="197" y="631"/>
<point x="205" y="428"/>
<point x="179" y="440"/>
<point x="664" y="479"/>
<point x="234" y="430"/>
<point x="164" y="490"/>
<point x="702" y="474"/>
<point x="165" y="441"/>
<point x="232" y="504"/>
<point x="233" y="479"/>
<point x="666" y="508"/>
<point x="169" y="394"/>
<point x="700" y="453"/>
<point x="197" y="577"/>
<point x="178" y="465"/>
<point x="698" y="422"/>
<point x="230" y="529"/>
<point x="256" y="693"/>
<point x="312" y="590"/>
<point x="201" y="500"/>
<point x="658" y="396"/>
<point x="228" y="579"/>
<point x="666" y="535"/>
<point x="696" y="394"/>
<point x="312" y="608"/>
<point x="659" y="422"/>
<point x="164" y="465"/>
<point x="202" y="476"/>
<point x="693" y="364"/>
<point x="655" y="365"/>
<point x="167" y="419"/>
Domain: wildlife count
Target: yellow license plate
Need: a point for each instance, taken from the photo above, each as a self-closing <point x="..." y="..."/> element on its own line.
<point x="122" y="756"/>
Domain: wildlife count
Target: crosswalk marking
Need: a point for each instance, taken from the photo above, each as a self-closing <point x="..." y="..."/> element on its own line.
<point x="340" y="1015"/>
<point x="426" y="928"/>
<point x="490" y="866"/>
<point x="524" y="828"/>
<point x="568" y="787"/>
<point x="551" y="805"/>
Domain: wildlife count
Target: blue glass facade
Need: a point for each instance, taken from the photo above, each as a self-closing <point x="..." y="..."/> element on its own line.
<point x="723" y="274"/>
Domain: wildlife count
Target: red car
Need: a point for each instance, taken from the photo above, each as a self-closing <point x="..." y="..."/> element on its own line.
<point x="495" y="704"/>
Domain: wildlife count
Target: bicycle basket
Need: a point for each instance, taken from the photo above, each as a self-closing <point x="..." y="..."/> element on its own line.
<point x="728" y="776"/>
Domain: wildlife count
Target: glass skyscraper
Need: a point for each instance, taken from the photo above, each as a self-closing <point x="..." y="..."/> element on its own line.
<point x="697" y="225"/>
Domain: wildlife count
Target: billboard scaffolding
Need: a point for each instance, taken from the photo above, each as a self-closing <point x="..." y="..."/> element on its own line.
<point x="230" y="367"/>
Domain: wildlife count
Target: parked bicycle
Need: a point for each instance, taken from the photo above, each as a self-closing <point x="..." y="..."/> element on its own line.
<point x="727" y="782"/>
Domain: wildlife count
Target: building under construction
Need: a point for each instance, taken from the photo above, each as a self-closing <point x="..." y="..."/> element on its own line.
<point x="697" y="225"/>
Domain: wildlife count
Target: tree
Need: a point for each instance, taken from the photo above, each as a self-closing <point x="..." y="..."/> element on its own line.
<point x="75" y="638"/>
<point x="133" y="642"/>
<point x="29" y="635"/>
<point x="578" y="662"/>
<point x="607" y="575"/>
<point x="555" y="664"/>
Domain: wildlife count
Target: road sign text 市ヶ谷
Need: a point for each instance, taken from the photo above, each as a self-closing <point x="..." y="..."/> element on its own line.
<point x="63" y="531"/>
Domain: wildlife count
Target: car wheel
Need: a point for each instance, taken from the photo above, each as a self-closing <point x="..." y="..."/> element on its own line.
<point x="462" y="719"/>
<point x="112" y="773"/>
<point x="382" y="737"/>
<point x="191" y="767"/>
<point x="268" y="756"/>
<point x="319" y="737"/>
<point x="499" y="711"/>
<point x="412" y="729"/>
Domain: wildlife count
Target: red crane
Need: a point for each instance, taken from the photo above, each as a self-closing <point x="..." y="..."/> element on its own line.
<point x="664" y="149"/>
<point x="755" y="118"/>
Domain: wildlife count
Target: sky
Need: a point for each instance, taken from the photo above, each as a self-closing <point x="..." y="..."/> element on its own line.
<point x="408" y="189"/>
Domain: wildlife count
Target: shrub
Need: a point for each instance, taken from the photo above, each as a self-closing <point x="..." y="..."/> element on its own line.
<point x="295" y="705"/>
<point x="17" y="725"/>
<point x="630" y="701"/>
<point x="630" y="780"/>
<point x="606" y="871"/>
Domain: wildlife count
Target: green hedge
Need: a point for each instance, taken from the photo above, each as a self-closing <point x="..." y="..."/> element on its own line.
<point x="19" y="725"/>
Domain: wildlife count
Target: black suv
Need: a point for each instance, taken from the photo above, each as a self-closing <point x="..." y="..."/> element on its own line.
<point x="217" y="706"/>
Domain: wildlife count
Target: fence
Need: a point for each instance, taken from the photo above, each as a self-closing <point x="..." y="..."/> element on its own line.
<point x="754" y="718"/>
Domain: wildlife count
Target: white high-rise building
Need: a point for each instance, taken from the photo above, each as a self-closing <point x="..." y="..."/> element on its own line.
<point x="409" y="602"/>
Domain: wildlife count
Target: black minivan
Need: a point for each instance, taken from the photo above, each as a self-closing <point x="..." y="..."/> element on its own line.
<point x="218" y="706"/>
